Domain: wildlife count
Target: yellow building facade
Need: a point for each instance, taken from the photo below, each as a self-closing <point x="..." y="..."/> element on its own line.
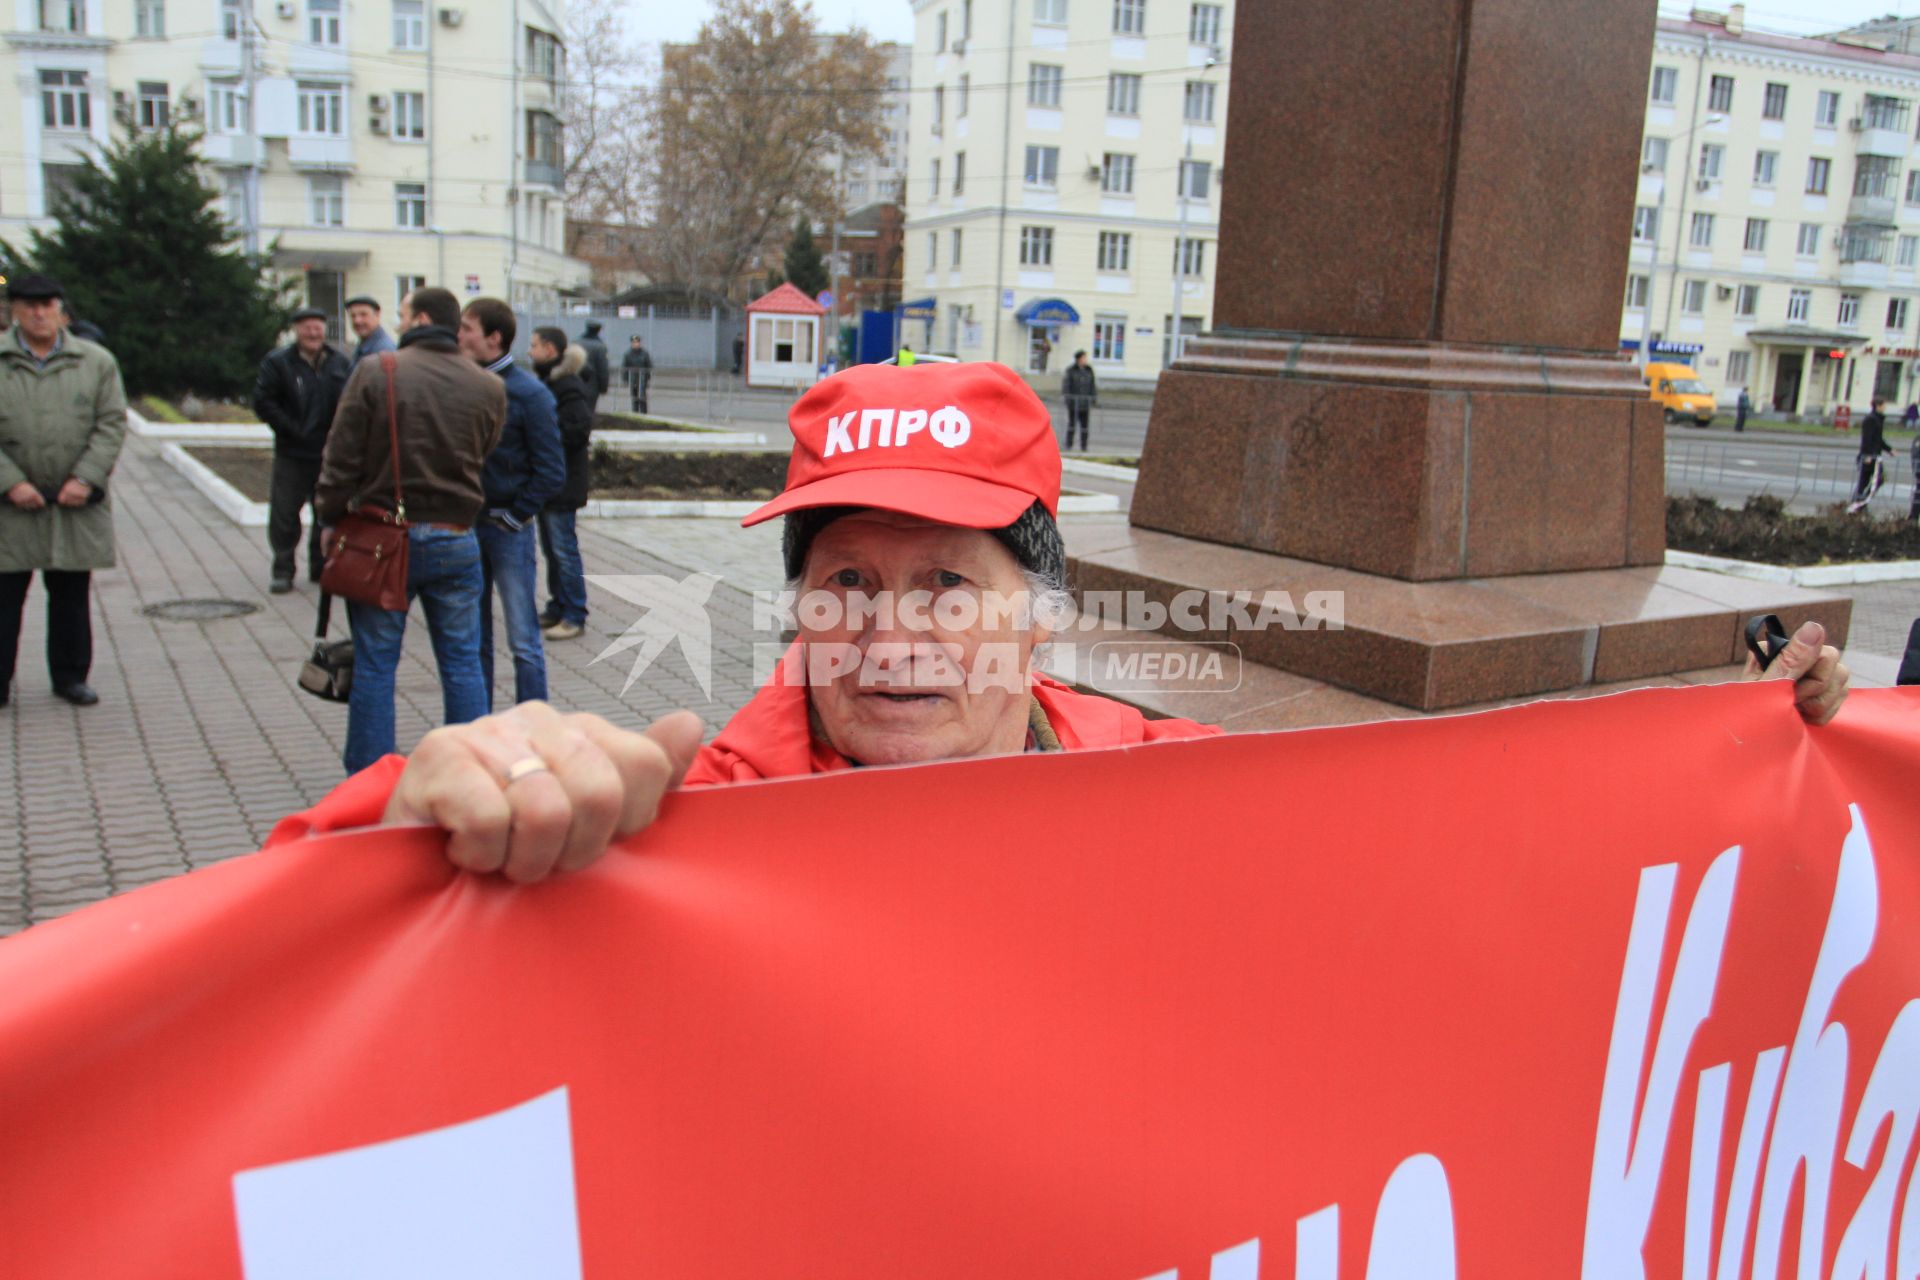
<point x="369" y="145"/>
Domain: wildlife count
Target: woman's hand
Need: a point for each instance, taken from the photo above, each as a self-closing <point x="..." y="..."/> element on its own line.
<point x="532" y="791"/>
<point x="1819" y="677"/>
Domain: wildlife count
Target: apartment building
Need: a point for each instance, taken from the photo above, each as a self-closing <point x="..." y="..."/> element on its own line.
<point x="1063" y="182"/>
<point x="1776" y="242"/>
<point x="869" y="180"/>
<point x="368" y="145"/>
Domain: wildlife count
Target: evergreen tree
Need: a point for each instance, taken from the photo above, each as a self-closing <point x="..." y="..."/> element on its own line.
<point x="805" y="268"/>
<point x="144" y="254"/>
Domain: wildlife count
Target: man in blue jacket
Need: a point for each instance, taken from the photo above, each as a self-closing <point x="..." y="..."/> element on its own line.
<point x="525" y="471"/>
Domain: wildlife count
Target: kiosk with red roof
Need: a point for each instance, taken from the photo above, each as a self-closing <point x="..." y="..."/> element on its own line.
<point x="785" y="337"/>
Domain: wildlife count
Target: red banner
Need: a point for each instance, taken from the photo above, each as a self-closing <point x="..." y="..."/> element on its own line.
<point x="1611" y="988"/>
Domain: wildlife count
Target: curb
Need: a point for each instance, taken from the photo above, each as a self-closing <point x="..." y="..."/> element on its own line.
<point x="1104" y="470"/>
<point x="1858" y="573"/>
<point x="233" y="504"/>
<point x="205" y="432"/>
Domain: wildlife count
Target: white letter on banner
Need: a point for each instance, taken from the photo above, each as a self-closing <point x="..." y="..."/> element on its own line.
<point x="1893" y="1094"/>
<point x="1242" y="1262"/>
<point x="1703" y="1175"/>
<point x="1413" y="1229"/>
<point x="1746" y="1162"/>
<point x="429" y="1204"/>
<point x="1627" y="1158"/>
<point x="1806" y="1131"/>
<point x="1316" y="1245"/>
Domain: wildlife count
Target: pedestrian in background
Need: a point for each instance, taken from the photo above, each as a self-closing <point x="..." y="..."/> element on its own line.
<point x="559" y="366"/>
<point x="65" y="416"/>
<point x="363" y="317"/>
<point x="296" y="394"/>
<point x="525" y="471"/>
<point x="1741" y="408"/>
<point x="1911" y="418"/>
<point x="1873" y="443"/>
<point x="638" y="363"/>
<point x="1044" y="348"/>
<point x="1081" y="393"/>
<point x="739" y="352"/>
<point x="449" y="415"/>
<point x="602" y="375"/>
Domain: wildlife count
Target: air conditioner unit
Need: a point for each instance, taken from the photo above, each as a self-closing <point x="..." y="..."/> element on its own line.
<point x="1856" y="124"/>
<point x="377" y="124"/>
<point x="1093" y="172"/>
<point x="286" y="10"/>
<point x="1216" y="54"/>
<point x="376" y="102"/>
<point x="959" y="47"/>
<point x="452" y="17"/>
<point x="1703" y="184"/>
<point x="1723" y="291"/>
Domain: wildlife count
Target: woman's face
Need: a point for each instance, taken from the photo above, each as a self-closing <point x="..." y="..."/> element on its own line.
<point x="918" y="640"/>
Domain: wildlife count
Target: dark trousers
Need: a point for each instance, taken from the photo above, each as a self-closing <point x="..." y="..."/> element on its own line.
<point x="69" y="624"/>
<point x="638" y="383"/>
<point x="1078" y="409"/>
<point x="294" y="480"/>
<point x="1863" y="485"/>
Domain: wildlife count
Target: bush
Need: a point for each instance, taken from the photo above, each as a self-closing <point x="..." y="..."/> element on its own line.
<point x="1763" y="530"/>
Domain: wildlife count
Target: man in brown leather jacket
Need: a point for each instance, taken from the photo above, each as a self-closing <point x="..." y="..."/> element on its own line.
<point x="449" y="414"/>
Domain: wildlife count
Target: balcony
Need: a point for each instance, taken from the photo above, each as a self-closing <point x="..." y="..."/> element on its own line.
<point x="309" y="151"/>
<point x="1877" y="208"/>
<point x="1864" y="252"/>
<point x="232" y="149"/>
<point x="318" y="62"/>
<point x="542" y="174"/>
<point x="1882" y="128"/>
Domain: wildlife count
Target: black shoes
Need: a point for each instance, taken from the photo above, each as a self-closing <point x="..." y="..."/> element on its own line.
<point x="80" y="695"/>
<point x="280" y="586"/>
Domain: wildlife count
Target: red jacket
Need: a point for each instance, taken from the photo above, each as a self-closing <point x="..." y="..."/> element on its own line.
<point x="769" y="738"/>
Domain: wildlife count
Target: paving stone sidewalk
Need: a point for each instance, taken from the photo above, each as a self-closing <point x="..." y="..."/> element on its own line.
<point x="201" y="741"/>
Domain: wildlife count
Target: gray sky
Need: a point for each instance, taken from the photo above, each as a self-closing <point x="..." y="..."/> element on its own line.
<point x="672" y="20"/>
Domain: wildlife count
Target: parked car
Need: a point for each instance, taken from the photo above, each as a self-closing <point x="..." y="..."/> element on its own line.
<point x="1678" y="390"/>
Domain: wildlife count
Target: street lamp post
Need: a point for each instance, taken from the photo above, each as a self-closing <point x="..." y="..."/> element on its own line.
<point x="1175" y="339"/>
<point x="1659" y="217"/>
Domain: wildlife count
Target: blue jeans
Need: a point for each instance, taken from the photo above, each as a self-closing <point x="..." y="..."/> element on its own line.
<point x="509" y="565"/>
<point x="443" y="573"/>
<point x="566" y="574"/>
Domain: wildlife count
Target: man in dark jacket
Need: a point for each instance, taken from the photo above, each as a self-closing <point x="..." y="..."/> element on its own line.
<point x="599" y="375"/>
<point x="525" y="472"/>
<point x="1079" y="389"/>
<point x="559" y="365"/>
<point x="1873" y="443"/>
<point x="449" y="416"/>
<point x="638" y="364"/>
<point x="296" y="394"/>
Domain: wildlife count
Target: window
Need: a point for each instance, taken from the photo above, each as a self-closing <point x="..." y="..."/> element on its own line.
<point x="1896" y="315"/>
<point x="1666" y="80"/>
<point x="150" y="19"/>
<point x="1050" y="13"/>
<point x="954" y="257"/>
<point x="404" y="285"/>
<point x="1203" y="24"/>
<point x="962" y="92"/>
<point x="933" y="250"/>
<point x="1720" y="93"/>
<point x="150" y="105"/>
<point x="1653" y="153"/>
<point x="1799" y="302"/>
<point x="1116" y="173"/>
<point x="1739" y="363"/>
<point x="410" y="116"/>
<point x="326" y="202"/>
<point x="233" y="198"/>
<point x="63" y="15"/>
<point x="940" y="29"/>
<point x="959" y="172"/>
<point x="1864" y="242"/>
<point x="545" y="56"/>
<point x="323" y="22"/>
<point x="1643" y="223"/>
<point x="1043" y="85"/>
<point x="1808" y="245"/>
<point x="1746" y="301"/>
<point x="1636" y="293"/>
<point x="1819" y="170"/>
<point x="228" y="109"/>
<point x="1700" y="236"/>
<point x="1826" y="110"/>
<point x="1036" y="246"/>
<point x="1774" y="105"/>
<point x="230" y="19"/>
<point x="866" y="264"/>
<point x="939" y="108"/>
<point x="544" y="150"/>
<point x="1123" y="94"/>
<point x="1116" y="250"/>
<point x="1849" y="310"/>
<point x="1756" y="241"/>
<point x="1765" y="163"/>
<point x="59" y="186"/>
<point x="966" y="19"/>
<point x="1109" y="337"/>
<point x="410" y="205"/>
<point x="322" y="109"/>
<point x="1913" y="187"/>
<point x="1713" y="158"/>
<point x="1189" y="256"/>
<point x="409" y="24"/>
<point x="1129" y="17"/>
<point x="1876" y="176"/>
<point x="1693" y="297"/>
<point x="64" y="101"/>
<point x="1200" y="101"/>
<point x="933" y="174"/>
<point x="1907" y="252"/>
<point x="1196" y="180"/>
<point x="1881" y="112"/>
<point x="1043" y="166"/>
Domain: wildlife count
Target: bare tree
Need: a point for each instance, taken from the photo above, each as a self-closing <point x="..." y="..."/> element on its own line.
<point x="743" y="123"/>
<point x="605" y="117"/>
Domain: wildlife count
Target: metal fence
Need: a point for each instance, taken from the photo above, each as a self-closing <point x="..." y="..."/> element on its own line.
<point x="1815" y="476"/>
<point x="675" y="339"/>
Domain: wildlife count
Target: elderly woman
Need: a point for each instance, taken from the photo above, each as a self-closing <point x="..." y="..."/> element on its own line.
<point x="920" y="532"/>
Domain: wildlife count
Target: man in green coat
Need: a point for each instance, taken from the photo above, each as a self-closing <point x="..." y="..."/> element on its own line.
<point x="63" y="414"/>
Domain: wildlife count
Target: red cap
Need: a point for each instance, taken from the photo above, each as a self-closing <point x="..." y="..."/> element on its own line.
<point x="961" y="444"/>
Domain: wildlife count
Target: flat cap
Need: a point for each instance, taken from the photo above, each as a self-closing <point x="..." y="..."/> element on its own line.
<point x="364" y="300"/>
<point x="35" y="285"/>
<point x="308" y="313"/>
